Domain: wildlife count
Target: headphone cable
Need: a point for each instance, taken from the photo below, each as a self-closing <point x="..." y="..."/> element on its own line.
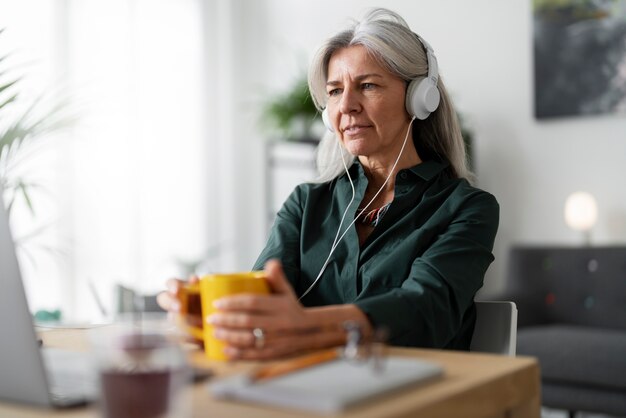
<point x="335" y="241"/>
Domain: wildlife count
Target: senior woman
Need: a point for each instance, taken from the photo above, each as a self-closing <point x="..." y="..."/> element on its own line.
<point x="393" y="235"/>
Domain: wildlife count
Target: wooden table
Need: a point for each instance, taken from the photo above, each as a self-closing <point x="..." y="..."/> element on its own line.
<point x="474" y="385"/>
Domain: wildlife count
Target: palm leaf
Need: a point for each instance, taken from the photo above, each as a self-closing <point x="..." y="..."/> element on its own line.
<point x="24" y="124"/>
<point x="23" y="188"/>
<point x="20" y="129"/>
<point x="8" y="101"/>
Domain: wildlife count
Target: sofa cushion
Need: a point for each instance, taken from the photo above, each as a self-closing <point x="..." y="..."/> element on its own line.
<point x="579" y="398"/>
<point x="577" y="355"/>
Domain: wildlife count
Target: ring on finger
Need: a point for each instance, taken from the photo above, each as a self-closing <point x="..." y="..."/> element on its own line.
<point x="259" y="338"/>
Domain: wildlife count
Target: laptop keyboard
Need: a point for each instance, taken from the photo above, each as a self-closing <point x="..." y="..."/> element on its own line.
<point x="70" y="383"/>
<point x="71" y="376"/>
<point x="61" y="400"/>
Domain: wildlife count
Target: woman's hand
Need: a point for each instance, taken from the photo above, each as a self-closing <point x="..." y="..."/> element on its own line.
<point x="170" y="301"/>
<point x="281" y="324"/>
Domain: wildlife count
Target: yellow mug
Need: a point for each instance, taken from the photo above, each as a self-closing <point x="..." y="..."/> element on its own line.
<point x="210" y="288"/>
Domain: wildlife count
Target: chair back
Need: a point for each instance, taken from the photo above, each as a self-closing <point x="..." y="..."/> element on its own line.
<point x="128" y="300"/>
<point x="496" y="328"/>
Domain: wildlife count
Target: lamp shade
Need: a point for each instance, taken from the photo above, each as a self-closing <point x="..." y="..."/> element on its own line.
<point x="581" y="211"/>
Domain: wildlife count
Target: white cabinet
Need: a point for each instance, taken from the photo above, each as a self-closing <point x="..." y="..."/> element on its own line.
<point x="287" y="165"/>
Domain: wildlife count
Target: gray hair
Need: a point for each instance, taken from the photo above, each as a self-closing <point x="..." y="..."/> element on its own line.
<point x="388" y="38"/>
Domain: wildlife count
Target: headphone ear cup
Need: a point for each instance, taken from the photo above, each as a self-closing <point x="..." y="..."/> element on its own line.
<point x="326" y="120"/>
<point x="422" y="97"/>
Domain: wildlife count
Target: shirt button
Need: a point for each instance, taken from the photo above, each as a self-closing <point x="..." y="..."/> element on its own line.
<point x="403" y="175"/>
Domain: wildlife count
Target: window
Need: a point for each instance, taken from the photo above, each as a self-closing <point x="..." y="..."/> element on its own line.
<point x="126" y="186"/>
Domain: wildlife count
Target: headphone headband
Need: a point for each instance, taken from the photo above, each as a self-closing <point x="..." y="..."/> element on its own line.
<point x="431" y="60"/>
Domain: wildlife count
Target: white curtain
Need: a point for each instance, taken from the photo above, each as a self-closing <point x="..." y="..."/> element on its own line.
<point x="128" y="183"/>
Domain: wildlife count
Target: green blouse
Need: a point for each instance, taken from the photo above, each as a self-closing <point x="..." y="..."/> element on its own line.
<point x="417" y="272"/>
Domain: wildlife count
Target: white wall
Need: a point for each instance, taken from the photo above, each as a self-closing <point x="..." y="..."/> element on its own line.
<point x="258" y="47"/>
<point x="484" y="49"/>
<point x="236" y="70"/>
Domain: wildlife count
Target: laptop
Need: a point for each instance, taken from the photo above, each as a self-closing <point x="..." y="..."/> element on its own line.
<point x="29" y="373"/>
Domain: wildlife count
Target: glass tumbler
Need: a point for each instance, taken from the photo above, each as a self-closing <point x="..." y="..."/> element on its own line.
<point x="142" y="372"/>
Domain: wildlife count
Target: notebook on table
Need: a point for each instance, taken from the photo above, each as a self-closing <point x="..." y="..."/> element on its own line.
<point x="329" y="387"/>
<point x="30" y="374"/>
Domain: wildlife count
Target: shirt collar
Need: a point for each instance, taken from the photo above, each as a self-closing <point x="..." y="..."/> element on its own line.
<point x="427" y="170"/>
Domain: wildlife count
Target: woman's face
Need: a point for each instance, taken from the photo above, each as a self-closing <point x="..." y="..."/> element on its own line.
<point x="366" y="104"/>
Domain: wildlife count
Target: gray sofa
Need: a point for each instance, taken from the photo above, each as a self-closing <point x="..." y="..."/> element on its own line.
<point x="572" y="316"/>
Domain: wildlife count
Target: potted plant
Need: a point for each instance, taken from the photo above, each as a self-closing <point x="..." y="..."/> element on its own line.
<point x="468" y="138"/>
<point x="292" y="114"/>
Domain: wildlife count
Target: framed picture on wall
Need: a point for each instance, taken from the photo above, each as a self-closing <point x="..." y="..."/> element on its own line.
<point x="579" y="57"/>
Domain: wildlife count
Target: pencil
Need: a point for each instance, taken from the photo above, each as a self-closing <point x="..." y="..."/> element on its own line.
<point x="298" y="363"/>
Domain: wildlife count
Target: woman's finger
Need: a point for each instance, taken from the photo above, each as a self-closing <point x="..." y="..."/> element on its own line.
<point x="168" y="301"/>
<point x="235" y="320"/>
<point x="245" y="338"/>
<point x="283" y="346"/>
<point x="174" y="285"/>
<point x="250" y="302"/>
<point x="245" y="320"/>
<point x="241" y="338"/>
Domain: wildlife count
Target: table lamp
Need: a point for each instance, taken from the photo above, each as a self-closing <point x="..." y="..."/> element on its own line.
<point x="581" y="213"/>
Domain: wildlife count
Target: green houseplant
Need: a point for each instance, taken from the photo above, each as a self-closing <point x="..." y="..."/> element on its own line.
<point x="468" y="138"/>
<point x="22" y="124"/>
<point x="292" y="114"/>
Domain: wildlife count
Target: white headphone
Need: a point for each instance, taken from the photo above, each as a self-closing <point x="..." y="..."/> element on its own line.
<point x="422" y="94"/>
